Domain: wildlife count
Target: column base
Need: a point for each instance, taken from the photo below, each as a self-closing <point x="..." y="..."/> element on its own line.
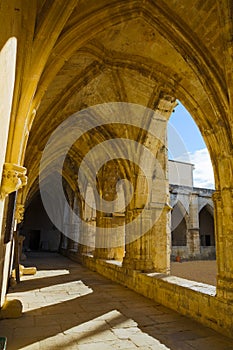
<point x="104" y="253"/>
<point x="11" y="309"/>
<point x="25" y="271"/>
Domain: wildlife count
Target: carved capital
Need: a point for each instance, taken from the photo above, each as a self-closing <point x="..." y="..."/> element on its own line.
<point x="13" y="178"/>
<point x="166" y="104"/>
<point x="19" y="212"/>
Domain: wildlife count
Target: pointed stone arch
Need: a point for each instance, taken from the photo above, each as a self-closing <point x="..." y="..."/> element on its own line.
<point x="206" y="224"/>
<point x="179" y="225"/>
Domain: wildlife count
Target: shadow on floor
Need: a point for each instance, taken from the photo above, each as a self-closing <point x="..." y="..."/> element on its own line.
<point x="86" y="307"/>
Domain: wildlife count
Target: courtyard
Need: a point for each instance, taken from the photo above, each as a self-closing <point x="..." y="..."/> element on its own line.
<point x="204" y="271"/>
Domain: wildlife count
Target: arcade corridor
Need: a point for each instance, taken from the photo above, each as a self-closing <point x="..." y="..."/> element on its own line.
<point x="67" y="306"/>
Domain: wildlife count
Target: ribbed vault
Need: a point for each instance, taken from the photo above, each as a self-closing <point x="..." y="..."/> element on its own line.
<point x="127" y="51"/>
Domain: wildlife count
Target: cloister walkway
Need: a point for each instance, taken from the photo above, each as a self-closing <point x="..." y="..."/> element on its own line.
<point x="66" y="306"/>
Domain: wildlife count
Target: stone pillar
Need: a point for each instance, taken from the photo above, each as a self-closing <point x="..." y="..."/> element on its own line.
<point x="87" y="236"/>
<point x="88" y="223"/>
<point x="223" y="209"/>
<point x="81" y="248"/>
<point x="118" y="222"/>
<point x="139" y="235"/>
<point x="193" y="235"/>
<point x="13" y="178"/>
<point x="103" y="237"/>
<point x="150" y="251"/>
<point x="137" y="254"/>
<point x="65" y="227"/>
<point x="109" y="244"/>
<point x="73" y="236"/>
<point x="163" y="241"/>
<point x="19" y="215"/>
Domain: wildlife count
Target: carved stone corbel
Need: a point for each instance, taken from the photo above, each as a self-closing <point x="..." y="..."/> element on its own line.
<point x="13" y="178"/>
<point x="165" y="104"/>
<point x="19" y="212"/>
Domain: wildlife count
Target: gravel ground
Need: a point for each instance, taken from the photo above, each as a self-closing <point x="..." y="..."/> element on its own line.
<point x="204" y="271"/>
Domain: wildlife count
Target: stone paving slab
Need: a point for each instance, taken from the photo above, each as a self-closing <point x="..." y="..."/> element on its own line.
<point x="70" y="307"/>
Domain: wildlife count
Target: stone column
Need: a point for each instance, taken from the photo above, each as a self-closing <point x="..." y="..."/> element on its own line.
<point x="13" y="178"/>
<point x="103" y="237"/>
<point x="163" y="240"/>
<point x="65" y="227"/>
<point x="110" y="243"/>
<point x="118" y="223"/>
<point x="137" y="256"/>
<point x="88" y="223"/>
<point x="87" y="238"/>
<point x="109" y="231"/>
<point x="193" y="235"/>
<point x="223" y="208"/>
<point x="139" y="245"/>
<point x="150" y="251"/>
<point x="19" y="215"/>
<point x="91" y="232"/>
<point x="110" y="237"/>
<point x="80" y="245"/>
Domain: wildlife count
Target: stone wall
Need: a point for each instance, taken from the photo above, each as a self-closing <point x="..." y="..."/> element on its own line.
<point x="188" y="203"/>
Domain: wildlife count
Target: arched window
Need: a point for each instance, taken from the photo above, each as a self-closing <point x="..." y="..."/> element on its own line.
<point x="178" y="225"/>
<point x="206" y="222"/>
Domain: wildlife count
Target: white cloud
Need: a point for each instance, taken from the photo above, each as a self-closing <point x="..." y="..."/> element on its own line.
<point x="203" y="173"/>
<point x="203" y="176"/>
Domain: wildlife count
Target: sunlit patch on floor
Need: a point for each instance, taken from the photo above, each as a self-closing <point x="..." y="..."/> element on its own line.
<point x="75" y="308"/>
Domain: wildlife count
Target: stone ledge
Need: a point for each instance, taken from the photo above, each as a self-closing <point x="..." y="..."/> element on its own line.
<point x="182" y="282"/>
<point x="114" y="262"/>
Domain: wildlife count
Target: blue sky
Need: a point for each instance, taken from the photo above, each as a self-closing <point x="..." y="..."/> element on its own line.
<point x="187" y="128"/>
<point x="185" y="143"/>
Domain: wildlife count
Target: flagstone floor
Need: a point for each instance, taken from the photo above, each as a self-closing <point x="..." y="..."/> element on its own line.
<point x="67" y="306"/>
